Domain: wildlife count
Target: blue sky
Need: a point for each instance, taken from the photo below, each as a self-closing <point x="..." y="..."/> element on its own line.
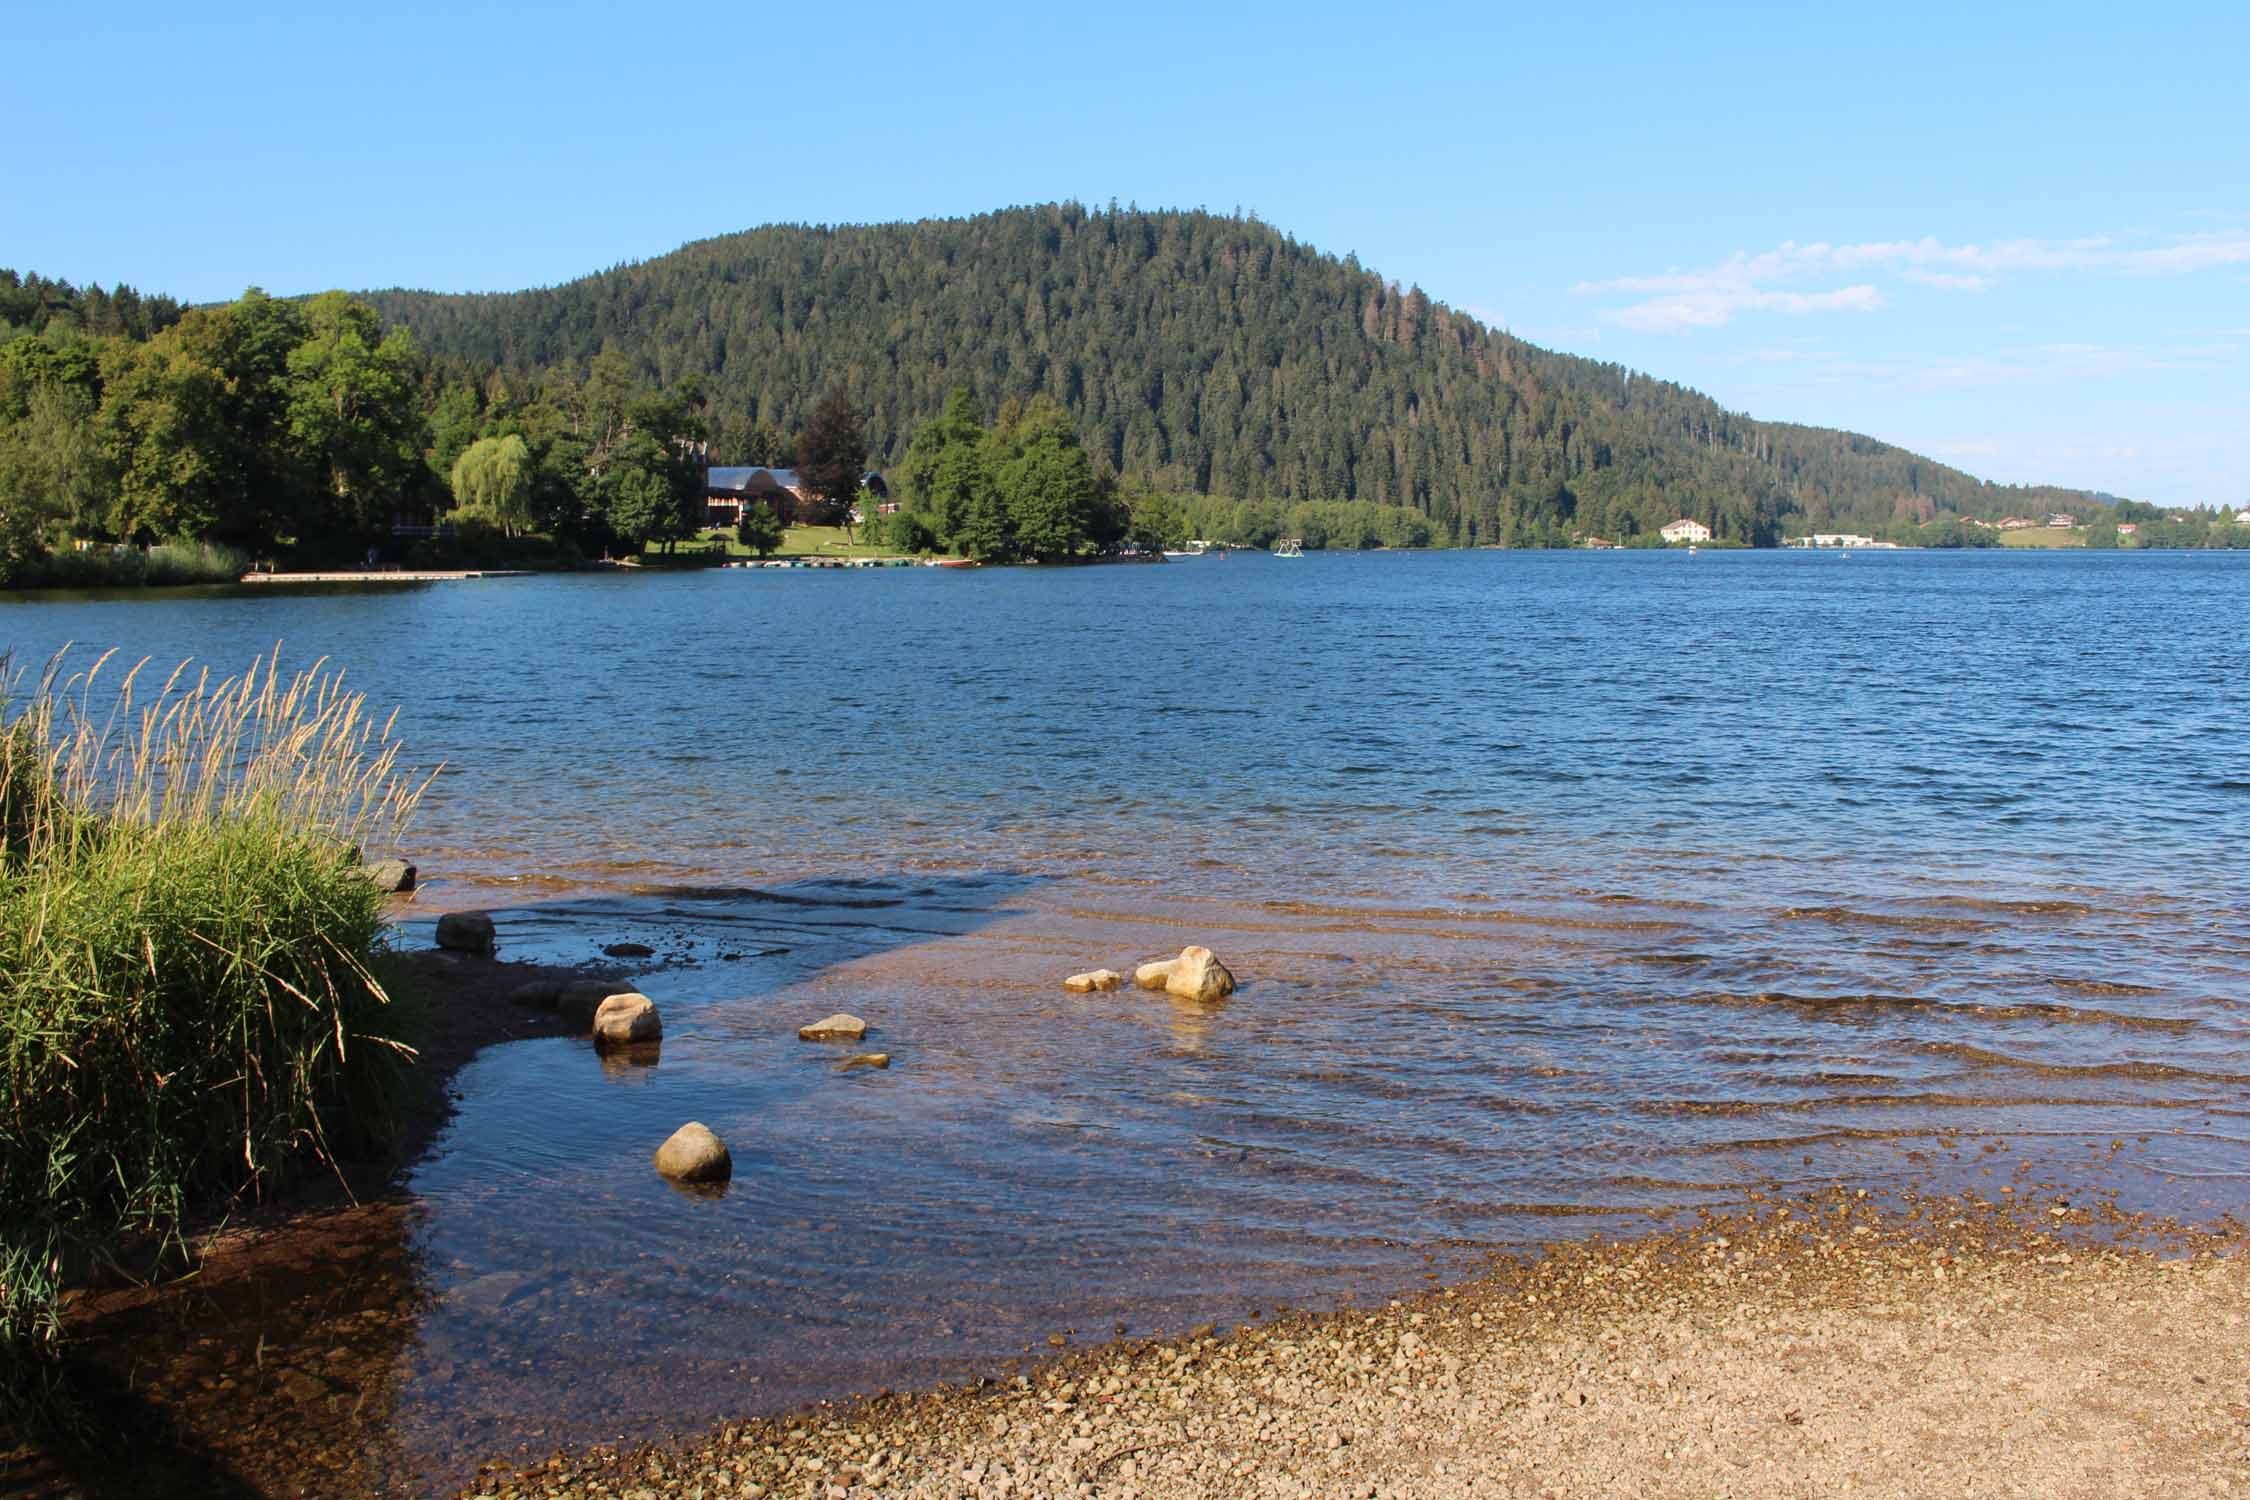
<point x="2017" y="238"/>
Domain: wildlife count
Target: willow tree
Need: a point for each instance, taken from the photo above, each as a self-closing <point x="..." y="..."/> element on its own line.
<point x="492" y="480"/>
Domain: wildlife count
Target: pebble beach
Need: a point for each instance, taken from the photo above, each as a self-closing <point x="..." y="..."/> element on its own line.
<point x="1832" y="1347"/>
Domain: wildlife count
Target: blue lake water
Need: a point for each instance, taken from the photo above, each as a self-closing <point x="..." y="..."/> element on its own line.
<point x="1564" y="888"/>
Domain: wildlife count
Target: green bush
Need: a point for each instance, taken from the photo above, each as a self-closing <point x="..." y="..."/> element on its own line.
<point x="189" y="1007"/>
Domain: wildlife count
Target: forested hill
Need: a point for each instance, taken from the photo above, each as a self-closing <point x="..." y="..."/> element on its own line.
<point x="1205" y="353"/>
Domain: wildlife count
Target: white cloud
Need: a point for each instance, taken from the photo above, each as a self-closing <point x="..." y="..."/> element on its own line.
<point x="1715" y="307"/>
<point x="1950" y="281"/>
<point x="1675" y="301"/>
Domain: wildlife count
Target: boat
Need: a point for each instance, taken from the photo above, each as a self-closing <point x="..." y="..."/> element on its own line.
<point x="1691" y="549"/>
<point x="1192" y="549"/>
<point x="1289" y="546"/>
<point x="953" y="562"/>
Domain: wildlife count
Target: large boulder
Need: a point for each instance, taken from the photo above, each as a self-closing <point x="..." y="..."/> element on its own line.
<point x="694" y="1154"/>
<point x="581" y="999"/>
<point x="465" y="932"/>
<point x="624" y="1020"/>
<point x="1198" y="975"/>
<point x="837" y="1028"/>
<point x="1099" y="981"/>
<point x="391" y="876"/>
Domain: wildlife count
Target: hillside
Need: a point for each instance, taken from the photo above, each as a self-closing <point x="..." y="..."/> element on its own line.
<point x="1206" y="353"/>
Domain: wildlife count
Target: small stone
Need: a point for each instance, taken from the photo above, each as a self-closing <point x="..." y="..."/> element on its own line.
<point x="1100" y="981"/>
<point x="1154" y="976"/>
<point x="626" y="1019"/>
<point x="838" y="1027"/>
<point x="465" y="932"/>
<point x="867" y="1060"/>
<point x="390" y="875"/>
<point x="1198" y="975"/>
<point x="694" y="1154"/>
<point x="629" y="950"/>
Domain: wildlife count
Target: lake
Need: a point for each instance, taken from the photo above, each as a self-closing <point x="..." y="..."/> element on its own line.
<point x="1565" y="889"/>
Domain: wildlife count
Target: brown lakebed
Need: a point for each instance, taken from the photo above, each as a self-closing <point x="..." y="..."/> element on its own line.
<point x="537" y="1289"/>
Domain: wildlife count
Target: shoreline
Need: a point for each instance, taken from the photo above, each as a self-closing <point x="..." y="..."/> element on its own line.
<point x="1641" y="1364"/>
<point x="175" y="1418"/>
<point x="1826" y="1346"/>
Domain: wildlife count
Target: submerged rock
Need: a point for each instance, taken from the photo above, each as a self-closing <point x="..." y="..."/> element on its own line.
<point x="465" y="932"/>
<point x="629" y="950"/>
<point x="581" y="999"/>
<point x="867" y="1060"/>
<point x="839" y="1027"/>
<point x="541" y="993"/>
<point x="694" y="1154"/>
<point x="1100" y="980"/>
<point x="626" y="1019"/>
<point x="390" y="875"/>
<point x="1198" y="975"/>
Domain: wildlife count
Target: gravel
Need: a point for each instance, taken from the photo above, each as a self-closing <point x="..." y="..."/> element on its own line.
<point x="1822" y="1347"/>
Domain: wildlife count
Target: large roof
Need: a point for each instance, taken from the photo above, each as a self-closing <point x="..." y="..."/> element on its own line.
<point x="749" y="479"/>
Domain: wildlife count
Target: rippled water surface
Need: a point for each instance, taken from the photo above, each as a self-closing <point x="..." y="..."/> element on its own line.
<point x="1564" y="889"/>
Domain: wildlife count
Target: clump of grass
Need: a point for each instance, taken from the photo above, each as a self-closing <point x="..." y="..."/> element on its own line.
<point x="193" y="562"/>
<point x="189" y="1010"/>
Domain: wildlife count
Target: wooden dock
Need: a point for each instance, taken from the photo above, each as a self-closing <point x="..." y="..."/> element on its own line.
<point x="388" y="575"/>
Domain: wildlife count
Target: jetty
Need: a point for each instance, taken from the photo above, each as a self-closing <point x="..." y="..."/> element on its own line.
<point x="388" y="575"/>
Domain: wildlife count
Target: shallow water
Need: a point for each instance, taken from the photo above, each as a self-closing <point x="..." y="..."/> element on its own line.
<point x="1566" y="889"/>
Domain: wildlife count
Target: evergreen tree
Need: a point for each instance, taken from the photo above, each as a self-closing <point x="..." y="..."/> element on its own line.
<point x="832" y="454"/>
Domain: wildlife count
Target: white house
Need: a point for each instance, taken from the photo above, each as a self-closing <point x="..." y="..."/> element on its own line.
<point x="1685" y="530"/>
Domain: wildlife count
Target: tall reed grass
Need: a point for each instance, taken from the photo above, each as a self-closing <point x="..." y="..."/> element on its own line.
<point x="167" y="564"/>
<point x="189" y="1004"/>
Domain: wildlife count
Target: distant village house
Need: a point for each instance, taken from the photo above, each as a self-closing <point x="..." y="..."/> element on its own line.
<point x="1685" y="530"/>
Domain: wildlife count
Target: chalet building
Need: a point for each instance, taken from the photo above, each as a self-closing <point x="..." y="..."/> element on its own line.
<point x="2130" y="528"/>
<point x="728" y="488"/>
<point x="1685" y="530"/>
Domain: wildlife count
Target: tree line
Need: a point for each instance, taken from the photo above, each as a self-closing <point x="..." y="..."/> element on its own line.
<point x="1213" y="356"/>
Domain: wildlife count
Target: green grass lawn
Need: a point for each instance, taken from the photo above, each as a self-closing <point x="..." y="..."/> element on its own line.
<point x="797" y="541"/>
<point x="2044" y="536"/>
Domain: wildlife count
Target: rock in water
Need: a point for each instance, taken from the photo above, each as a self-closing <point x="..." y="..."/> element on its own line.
<point x="867" y="1060"/>
<point x="540" y="993"/>
<point x="581" y="999"/>
<point x="390" y="875"/>
<point x="629" y="950"/>
<point x="1198" y="975"/>
<point x="837" y="1028"/>
<point x="694" y="1154"/>
<point x="465" y="932"/>
<point x="626" y="1019"/>
<point x="1103" y="980"/>
<point x="1156" y="975"/>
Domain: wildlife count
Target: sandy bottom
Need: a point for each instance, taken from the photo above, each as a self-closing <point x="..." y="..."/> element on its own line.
<point x="1821" y="1348"/>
